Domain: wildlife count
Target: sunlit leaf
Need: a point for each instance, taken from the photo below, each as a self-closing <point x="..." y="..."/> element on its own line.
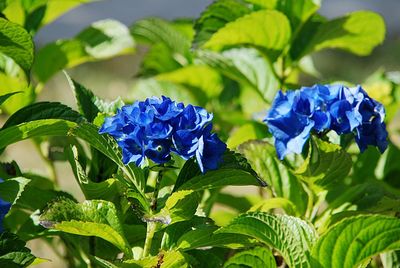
<point x="246" y="66"/>
<point x="16" y="43"/>
<point x="358" y="32"/>
<point x="325" y="164"/>
<point x="356" y="239"/>
<point x="292" y="237"/>
<point x="252" y="30"/>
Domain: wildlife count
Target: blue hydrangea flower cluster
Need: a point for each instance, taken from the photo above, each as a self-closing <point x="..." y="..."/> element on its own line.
<point x="296" y="113"/>
<point x="156" y="127"/>
<point x="4" y="208"/>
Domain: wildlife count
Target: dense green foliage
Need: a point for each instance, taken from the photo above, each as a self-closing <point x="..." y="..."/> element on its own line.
<point x="329" y="207"/>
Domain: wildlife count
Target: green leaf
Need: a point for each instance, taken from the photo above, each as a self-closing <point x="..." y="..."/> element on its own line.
<point x="105" y="39"/>
<point x="204" y="236"/>
<point x="198" y="77"/>
<point x="292" y="237"/>
<point x="256" y="257"/>
<point x="246" y="66"/>
<point x="246" y="132"/>
<point x="12" y="79"/>
<point x="273" y="203"/>
<point x="234" y="166"/>
<point x="356" y="239"/>
<point x="145" y="88"/>
<point x="13" y="252"/>
<point x="216" y="16"/>
<point x="91" y="218"/>
<point x="102" y="40"/>
<point x="262" y="157"/>
<point x="208" y="258"/>
<point x="11" y="189"/>
<point x="104" y="263"/>
<point x="4" y="97"/>
<point x="173" y="232"/>
<point x="240" y="203"/>
<point x="155" y="30"/>
<point x="109" y="189"/>
<point x="390" y="259"/>
<point x="251" y="30"/>
<point x="100" y="230"/>
<point x="325" y="165"/>
<point x="39" y="12"/>
<point x="57" y="56"/>
<point x="85" y="99"/>
<point x="298" y="11"/>
<point x="16" y="43"/>
<point x="358" y="32"/>
<point x="56" y="8"/>
<point x="46" y="127"/>
<point x="165" y="259"/>
<point x="108" y="146"/>
<point x="182" y="205"/>
<point x="220" y="178"/>
<point x="86" y="131"/>
<point x="158" y="59"/>
<point x="43" y="110"/>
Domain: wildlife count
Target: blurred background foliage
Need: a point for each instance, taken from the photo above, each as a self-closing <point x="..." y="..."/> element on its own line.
<point x="137" y="49"/>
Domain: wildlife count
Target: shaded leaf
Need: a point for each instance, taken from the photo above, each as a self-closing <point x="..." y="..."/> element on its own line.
<point x="219" y="178"/>
<point x="262" y="157"/>
<point x="325" y="165"/>
<point x="4" y="97"/>
<point x="256" y="257"/>
<point x="204" y="236"/>
<point x="13" y="252"/>
<point x="42" y="110"/>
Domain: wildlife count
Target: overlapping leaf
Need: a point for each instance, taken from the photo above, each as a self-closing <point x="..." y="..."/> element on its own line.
<point x="252" y="30"/>
<point x="256" y="257"/>
<point x="262" y="157"/>
<point x="90" y="218"/>
<point x="103" y="39"/>
<point x="292" y="237"/>
<point x="16" y="43"/>
<point x="325" y="164"/>
<point x="356" y="239"/>
<point x="246" y="66"/>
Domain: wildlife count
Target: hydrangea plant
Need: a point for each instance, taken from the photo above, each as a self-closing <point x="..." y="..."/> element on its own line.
<point x="296" y="114"/>
<point x="153" y="173"/>
<point x="156" y="127"/>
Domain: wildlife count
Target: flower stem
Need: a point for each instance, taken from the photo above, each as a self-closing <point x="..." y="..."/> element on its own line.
<point x="156" y="190"/>
<point x="151" y="228"/>
<point x="151" y="225"/>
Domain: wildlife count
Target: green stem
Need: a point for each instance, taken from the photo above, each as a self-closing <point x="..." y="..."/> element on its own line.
<point x="151" y="228"/>
<point x="156" y="190"/>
